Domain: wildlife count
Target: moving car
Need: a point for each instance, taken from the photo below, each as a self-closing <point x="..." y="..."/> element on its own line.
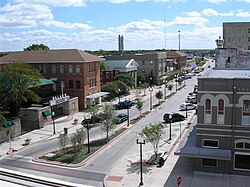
<point x="124" y="104"/>
<point x="121" y="117"/>
<point x="175" y="117"/>
<point x="187" y="106"/>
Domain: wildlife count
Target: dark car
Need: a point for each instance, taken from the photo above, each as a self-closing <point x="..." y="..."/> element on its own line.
<point x="124" y="104"/>
<point x="93" y="119"/>
<point x="121" y="118"/>
<point x="175" y="117"/>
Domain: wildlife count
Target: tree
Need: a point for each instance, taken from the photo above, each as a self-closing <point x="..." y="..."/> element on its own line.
<point x="144" y="86"/>
<point x="94" y="111"/>
<point x="139" y="104"/>
<point x="63" y="141"/>
<point x="34" y="47"/>
<point x="16" y="79"/>
<point x="126" y="78"/>
<point x="109" y="118"/>
<point x="159" y="95"/>
<point x="170" y="87"/>
<point x="153" y="134"/>
<point x="78" y="138"/>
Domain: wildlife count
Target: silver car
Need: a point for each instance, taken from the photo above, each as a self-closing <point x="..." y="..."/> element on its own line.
<point x="187" y="106"/>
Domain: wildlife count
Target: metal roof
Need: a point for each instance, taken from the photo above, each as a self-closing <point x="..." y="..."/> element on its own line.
<point x="228" y="74"/>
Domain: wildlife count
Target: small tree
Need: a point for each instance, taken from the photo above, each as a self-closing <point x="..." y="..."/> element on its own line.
<point x="139" y="104"/>
<point x="109" y="118"/>
<point x="78" y="137"/>
<point x="170" y="87"/>
<point x="63" y="141"/>
<point x="159" y="95"/>
<point x="94" y="111"/>
<point x="153" y="133"/>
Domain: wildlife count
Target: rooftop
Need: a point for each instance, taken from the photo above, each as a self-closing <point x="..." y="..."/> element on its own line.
<point x="228" y="74"/>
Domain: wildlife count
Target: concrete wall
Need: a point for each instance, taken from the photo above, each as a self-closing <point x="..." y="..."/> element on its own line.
<point x="15" y="131"/>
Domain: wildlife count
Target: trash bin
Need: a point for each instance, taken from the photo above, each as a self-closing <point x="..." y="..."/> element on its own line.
<point x="65" y="130"/>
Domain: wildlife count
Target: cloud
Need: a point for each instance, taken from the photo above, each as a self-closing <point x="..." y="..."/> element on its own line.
<point x="193" y="14"/>
<point x="216" y="1"/>
<point x="54" y="3"/>
<point x="242" y="13"/>
<point x="66" y="25"/>
<point x="187" y="21"/>
<point x="141" y="25"/>
<point x="212" y="12"/>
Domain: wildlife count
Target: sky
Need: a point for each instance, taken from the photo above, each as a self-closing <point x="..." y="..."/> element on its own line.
<point x="96" y="24"/>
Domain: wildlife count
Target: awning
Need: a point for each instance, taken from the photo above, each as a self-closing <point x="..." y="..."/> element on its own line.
<point x="96" y="95"/>
<point x="46" y="113"/>
<point x="7" y="124"/>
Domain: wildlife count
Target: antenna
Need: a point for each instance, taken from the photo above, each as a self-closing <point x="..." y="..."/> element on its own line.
<point x="165" y="37"/>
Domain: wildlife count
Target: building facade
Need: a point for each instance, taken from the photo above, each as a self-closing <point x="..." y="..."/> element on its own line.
<point x="155" y="64"/>
<point x="236" y="35"/>
<point x="220" y="141"/>
<point x="73" y="71"/>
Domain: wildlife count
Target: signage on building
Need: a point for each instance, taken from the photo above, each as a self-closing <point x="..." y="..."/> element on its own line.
<point x="59" y="99"/>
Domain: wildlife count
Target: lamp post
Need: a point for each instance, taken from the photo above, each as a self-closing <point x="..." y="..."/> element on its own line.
<point x="128" y="116"/>
<point x="165" y="91"/>
<point x="119" y="90"/>
<point x="140" y="143"/>
<point x="170" y="120"/>
<point x="53" y="120"/>
<point x="176" y="82"/>
<point x="88" y="134"/>
<point x="150" y="90"/>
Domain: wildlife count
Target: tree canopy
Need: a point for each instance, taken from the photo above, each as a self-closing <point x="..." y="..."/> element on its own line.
<point x="15" y="80"/>
<point x="36" y="47"/>
<point x="126" y="78"/>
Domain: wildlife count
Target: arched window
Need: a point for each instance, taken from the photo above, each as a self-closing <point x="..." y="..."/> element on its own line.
<point x="208" y="106"/>
<point x="221" y="107"/>
<point x="220" y="111"/>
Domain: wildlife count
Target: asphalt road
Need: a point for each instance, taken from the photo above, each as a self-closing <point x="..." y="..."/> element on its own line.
<point x="124" y="147"/>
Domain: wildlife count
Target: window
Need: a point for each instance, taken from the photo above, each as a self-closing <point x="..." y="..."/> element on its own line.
<point x="208" y="106"/>
<point x="78" y="84"/>
<point x="221" y="107"/>
<point x="143" y="62"/>
<point x="53" y="68"/>
<point x="91" y="67"/>
<point x="228" y="39"/>
<point x="71" y="84"/>
<point x="248" y="30"/>
<point x="61" y="68"/>
<point x="210" y="143"/>
<point x="241" y="161"/>
<point x="209" y="162"/>
<point x="239" y="30"/>
<point x="70" y="69"/>
<point x="246" y="112"/>
<point x="78" y="69"/>
<point x="242" y="145"/>
<point x="239" y="39"/>
<point x="248" y="39"/>
<point x="92" y="82"/>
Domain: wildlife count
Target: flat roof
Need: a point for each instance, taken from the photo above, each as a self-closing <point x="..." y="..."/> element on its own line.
<point x="228" y="74"/>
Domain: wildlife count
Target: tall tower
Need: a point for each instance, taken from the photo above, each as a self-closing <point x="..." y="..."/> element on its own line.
<point x="179" y="36"/>
<point x="120" y="43"/>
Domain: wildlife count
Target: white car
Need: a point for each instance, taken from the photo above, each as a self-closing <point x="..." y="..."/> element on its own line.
<point x="187" y="106"/>
<point x="191" y="99"/>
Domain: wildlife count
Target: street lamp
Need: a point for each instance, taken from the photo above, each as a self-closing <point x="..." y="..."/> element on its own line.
<point x="186" y="112"/>
<point x="119" y="90"/>
<point x="170" y="120"/>
<point x="140" y="143"/>
<point x="53" y="120"/>
<point x="165" y="91"/>
<point x="150" y="90"/>
<point x="176" y="81"/>
<point x="88" y="133"/>
<point x="128" y="116"/>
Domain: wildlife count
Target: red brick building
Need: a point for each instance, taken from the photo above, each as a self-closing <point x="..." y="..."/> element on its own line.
<point x="73" y="71"/>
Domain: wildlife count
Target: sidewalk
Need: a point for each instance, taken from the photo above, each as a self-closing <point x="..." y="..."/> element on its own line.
<point x="46" y="132"/>
<point x="127" y="174"/>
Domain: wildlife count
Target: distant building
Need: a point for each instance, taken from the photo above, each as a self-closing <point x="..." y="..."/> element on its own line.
<point x="120" y="43"/>
<point x="236" y="35"/>
<point x="114" y="67"/>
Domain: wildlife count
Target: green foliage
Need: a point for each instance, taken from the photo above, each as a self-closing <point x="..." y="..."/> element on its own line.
<point x="36" y="47"/>
<point x="15" y="80"/>
<point x="170" y="87"/>
<point x="159" y="95"/>
<point x="139" y="104"/>
<point x="141" y="78"/>
<point x="153" y="133"/>
<point x="109" y="118"/>
<point x="126" y="78"/>
<point x="63" y="140"/>
<point x="112" y="88"/>
<point x="154" y="159"/>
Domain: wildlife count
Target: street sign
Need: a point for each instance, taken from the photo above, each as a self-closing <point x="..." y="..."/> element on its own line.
<point x="179" y="180"/>
<point x="59" y="99"/>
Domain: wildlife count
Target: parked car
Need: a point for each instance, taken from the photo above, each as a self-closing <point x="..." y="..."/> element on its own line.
<point x="191" y="99"/>
<point x="124" y="104"/>
<point x="121" y="117"/>
<point x="93" y="119"/>
<point x="187" y="106"/>
<point x="175" y="117"/>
